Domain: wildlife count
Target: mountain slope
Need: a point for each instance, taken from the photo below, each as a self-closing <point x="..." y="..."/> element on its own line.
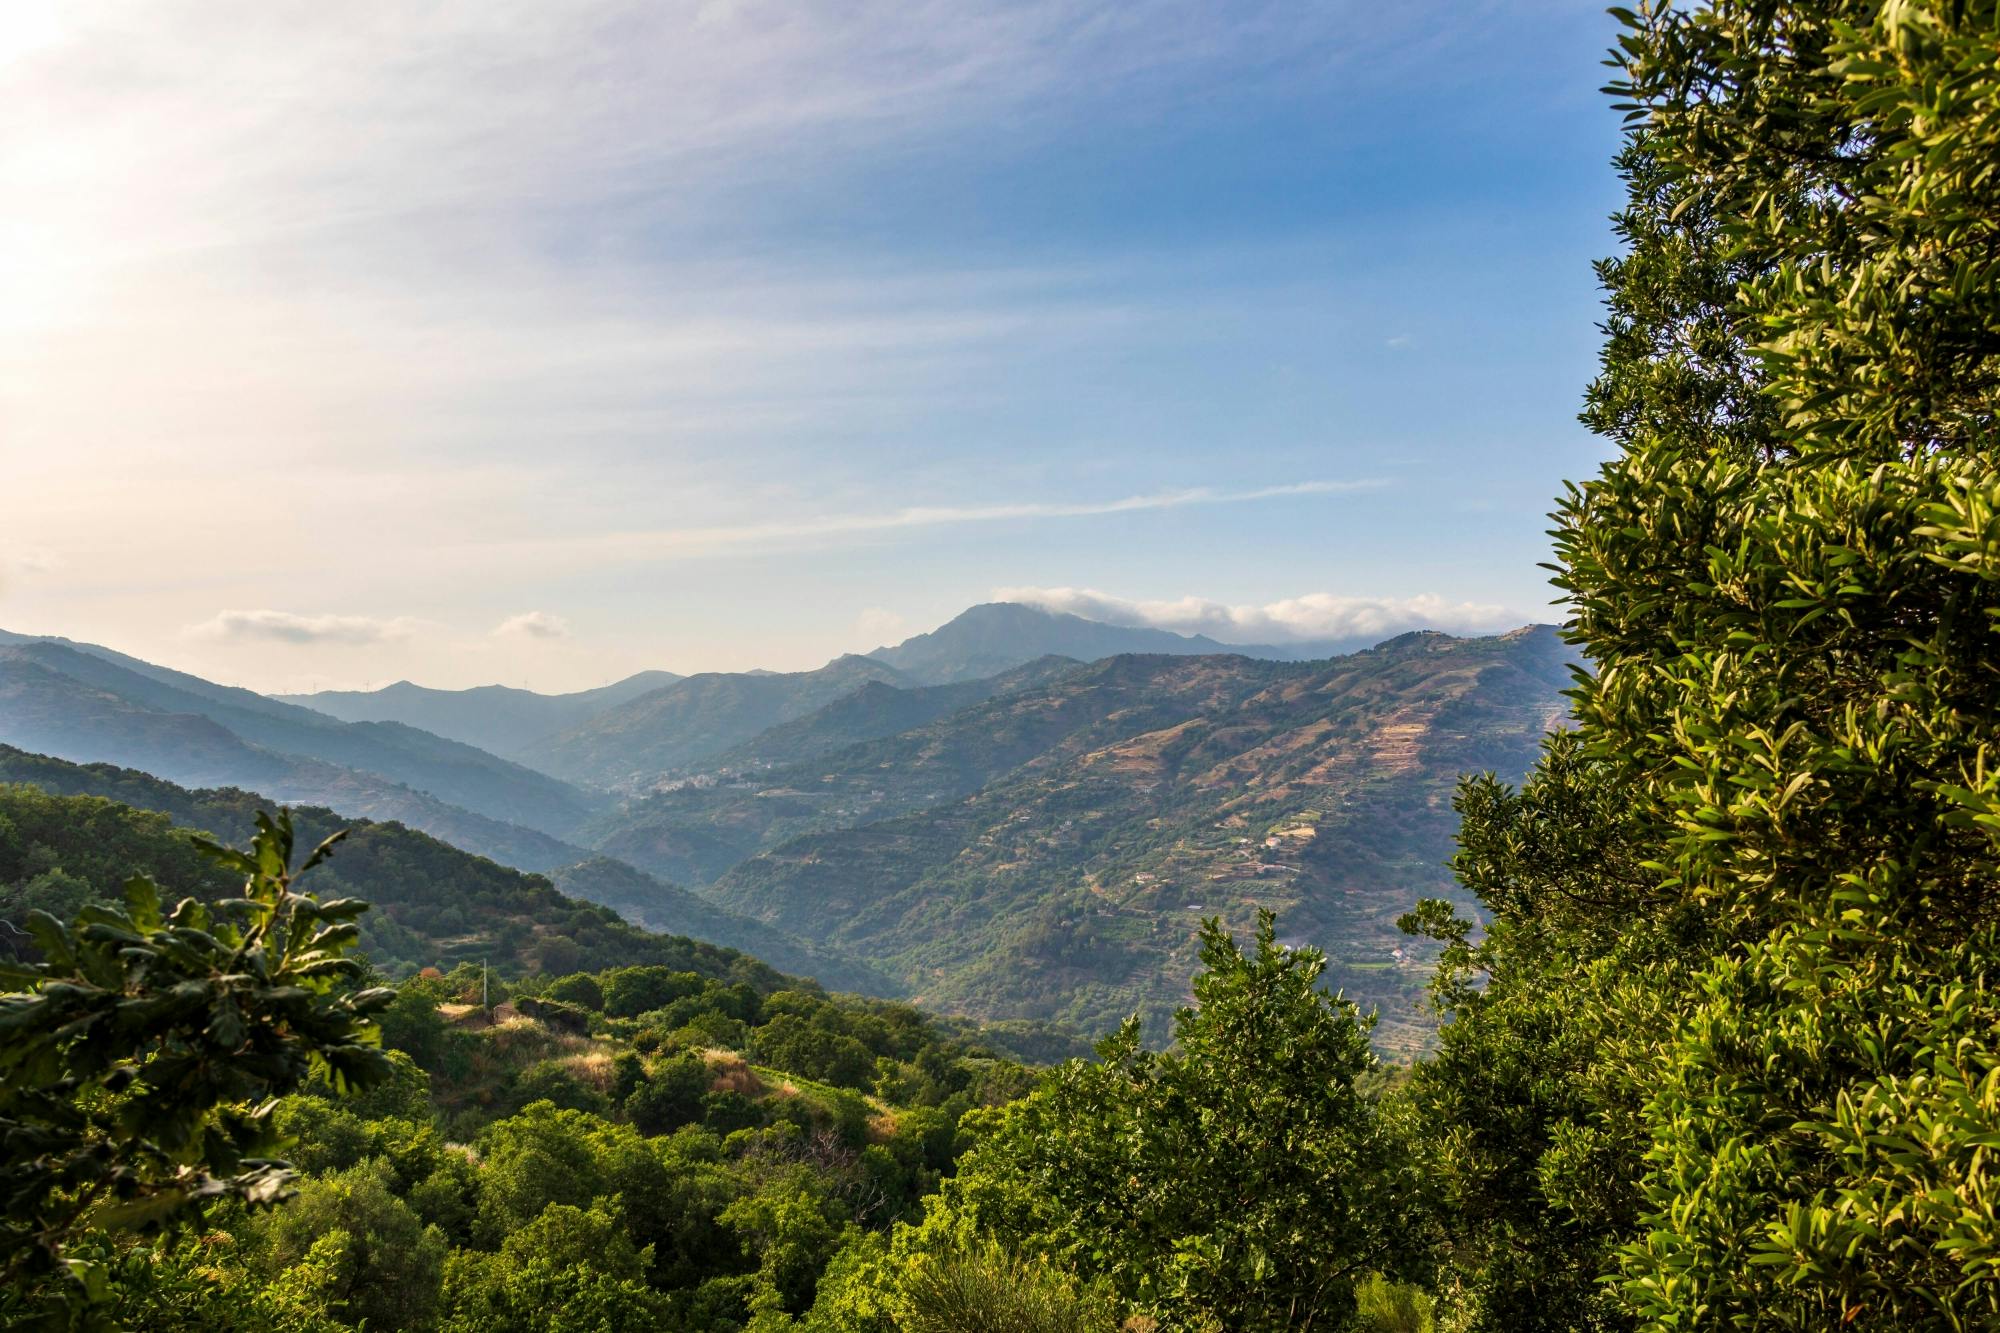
<point x="697" y="831"/>
<point x="683" y="724"/>
<point x="875" y="710"/>
<point x="48" y="711"/>
<point x="447" y="770"/>
<point x="640" y="899"/>
<point x="995" y="636"/>
<point x="656" y="906"/>
<point x="1071" y="887"/>
<point x="495" y="718"/>
<point x="433" y="905"/>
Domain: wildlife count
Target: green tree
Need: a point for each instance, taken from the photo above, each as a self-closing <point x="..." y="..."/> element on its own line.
<point x="372" y="1257"/>
<point x="540" y="1157"/>
<point x="411" y="1023"/>
<point x="983" y="1289"/>
<point x="139" y="1059"/>
<point x="787" y="1233"/>
<point x="571" y="1270"/>
<point x="672" y="1095"/>
<point x="1241" y="1178"/>
<point x="629" y="991"/>
<point x="1527" y="1113"/>
<point x="580" y="989"/>
<point x="800" y="1045"/>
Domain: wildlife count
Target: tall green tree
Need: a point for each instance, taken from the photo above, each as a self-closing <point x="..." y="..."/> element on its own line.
<point x="1764" y="1023"/>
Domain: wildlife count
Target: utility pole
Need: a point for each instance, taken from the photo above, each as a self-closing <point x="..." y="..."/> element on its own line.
<point x="482" y="987"/>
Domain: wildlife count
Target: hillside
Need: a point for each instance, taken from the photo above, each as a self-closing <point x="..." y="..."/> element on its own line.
<point x="686" y="723"/>
<point x="695" y="833"/>
<point x="433" y="905"/>
<point x="495" y="718"/>
<point x="875" y="710"/>
<point x="1121" y="804"/>
<point x="637" y="897"/>
<point x="866" y="756"/>
<point x="389" y="752"/>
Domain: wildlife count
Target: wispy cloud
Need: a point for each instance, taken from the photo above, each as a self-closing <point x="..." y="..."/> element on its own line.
<point x="1314" y="616"/>
<point x="290" y="627"/>
<point x="533" y="625"/>
<point x="807" y="531"/>
<point x="877" y="626"/>
<point x="492" y="277"/>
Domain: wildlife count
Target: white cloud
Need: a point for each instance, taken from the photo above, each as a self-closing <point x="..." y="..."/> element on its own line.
<point x="878" y="627"/>
<point x="1312" y="617"/>
<point x="20" y="566"/>
<point x="703" y="540"/>
<point x="533" y="625"/>
<point x="289" y="627"/>
<point x="1399" y="342"/>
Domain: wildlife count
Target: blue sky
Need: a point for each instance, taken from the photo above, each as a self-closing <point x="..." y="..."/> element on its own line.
<point x="540" y="344"/>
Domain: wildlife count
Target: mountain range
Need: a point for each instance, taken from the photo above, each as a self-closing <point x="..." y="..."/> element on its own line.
<point x="496" y="718"/>
<point x="1021" y="814"/>
<point x="635" y="896"/>
<point x="628" y="735"/>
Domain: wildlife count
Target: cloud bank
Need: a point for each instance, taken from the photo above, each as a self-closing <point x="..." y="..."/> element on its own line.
<point x="1309" y="618"/>
<point x="532" y="625"/>
<point x="290" y="627"/>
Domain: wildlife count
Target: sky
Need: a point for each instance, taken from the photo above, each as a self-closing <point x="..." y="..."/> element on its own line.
<point x="501" y="341"/>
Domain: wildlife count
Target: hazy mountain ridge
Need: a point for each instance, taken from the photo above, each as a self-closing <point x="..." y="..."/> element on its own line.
<point x="48" y="712"/>
<point x="686" y="723"/>
<point x="433" y="903"/>
<point x="449" y="771"/>
<point x="699" y="829"/>
<point x="876" y="710"/>
<point x="1035" y="843"/>
<point x="696" y="832"/>
<point x="497" y="718"/>
<point x="995" y="636"/>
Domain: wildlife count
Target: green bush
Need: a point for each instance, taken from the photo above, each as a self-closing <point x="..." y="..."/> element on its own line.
<point x="985" y="1290"/>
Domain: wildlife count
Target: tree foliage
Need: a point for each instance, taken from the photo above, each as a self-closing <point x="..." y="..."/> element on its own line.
<point x="1242" y="1179"/>
<point x="1734" y="1047"/>
<point x="139" y="1058"/>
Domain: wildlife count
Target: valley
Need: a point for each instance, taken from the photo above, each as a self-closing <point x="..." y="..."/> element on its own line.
<point x="1040" y="842"/>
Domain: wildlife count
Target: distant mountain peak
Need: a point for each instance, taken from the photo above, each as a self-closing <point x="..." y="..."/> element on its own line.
<point x="992" y="637"/>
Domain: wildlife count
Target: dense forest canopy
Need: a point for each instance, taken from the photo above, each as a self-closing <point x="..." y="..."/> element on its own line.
<point x="1723" y="1054"/>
